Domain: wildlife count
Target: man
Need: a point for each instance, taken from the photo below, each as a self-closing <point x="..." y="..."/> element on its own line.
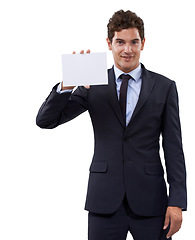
<point x="126" y="189"/>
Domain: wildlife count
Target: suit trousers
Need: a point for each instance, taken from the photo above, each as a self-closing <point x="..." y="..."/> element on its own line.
<point x="116" y="226"/>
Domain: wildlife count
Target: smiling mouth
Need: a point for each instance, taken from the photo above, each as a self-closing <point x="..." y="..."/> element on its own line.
<point x="127" y="57"/>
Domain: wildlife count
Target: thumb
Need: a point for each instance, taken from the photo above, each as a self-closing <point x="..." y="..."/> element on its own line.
<point x="167" y="219"/>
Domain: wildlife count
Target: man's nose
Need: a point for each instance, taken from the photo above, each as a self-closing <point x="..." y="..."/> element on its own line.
<point x="128" y="48"/>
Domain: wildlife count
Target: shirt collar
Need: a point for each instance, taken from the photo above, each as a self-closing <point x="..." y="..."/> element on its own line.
<point x="135" y="74"/>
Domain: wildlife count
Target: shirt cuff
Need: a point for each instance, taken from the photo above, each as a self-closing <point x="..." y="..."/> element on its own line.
<point x="58" y="90"/>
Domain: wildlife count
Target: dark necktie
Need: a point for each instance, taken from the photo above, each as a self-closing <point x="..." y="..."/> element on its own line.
<point x="123" y="93"/>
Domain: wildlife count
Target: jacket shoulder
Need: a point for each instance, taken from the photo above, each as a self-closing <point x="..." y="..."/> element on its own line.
<point x="159" y="78"/>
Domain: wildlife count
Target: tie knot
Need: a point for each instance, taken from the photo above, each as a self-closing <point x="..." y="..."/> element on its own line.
<point x="125" y="77"/>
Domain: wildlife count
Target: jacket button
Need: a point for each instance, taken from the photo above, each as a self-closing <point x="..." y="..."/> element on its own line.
<point x="126" y="140"/>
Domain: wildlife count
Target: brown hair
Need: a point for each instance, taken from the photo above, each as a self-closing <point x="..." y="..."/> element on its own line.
<point x="124" y="20"/>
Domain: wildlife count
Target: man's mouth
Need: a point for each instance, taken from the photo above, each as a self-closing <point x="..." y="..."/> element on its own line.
<point x="127" y="58"/>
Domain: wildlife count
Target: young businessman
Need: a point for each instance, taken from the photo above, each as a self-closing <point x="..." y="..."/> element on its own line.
<point x="126" y="189"/>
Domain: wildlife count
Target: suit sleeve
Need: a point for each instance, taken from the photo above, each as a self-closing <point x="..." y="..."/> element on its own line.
<point x="173" y="151"/>
<point x="60" y="108"/>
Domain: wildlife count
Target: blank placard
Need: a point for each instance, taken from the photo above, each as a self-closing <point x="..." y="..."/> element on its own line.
<point x="84" y="69"/>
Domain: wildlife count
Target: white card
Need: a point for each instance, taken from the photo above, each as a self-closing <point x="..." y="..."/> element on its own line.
<point x="84" y="69"/>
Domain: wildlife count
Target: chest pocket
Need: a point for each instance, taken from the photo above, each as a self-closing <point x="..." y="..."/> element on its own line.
<point x="155" y="107"/>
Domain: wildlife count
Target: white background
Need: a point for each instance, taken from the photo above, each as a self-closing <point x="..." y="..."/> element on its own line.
<point x="39" y="195"/>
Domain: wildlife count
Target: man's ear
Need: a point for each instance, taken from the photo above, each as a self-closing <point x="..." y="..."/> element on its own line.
<point x="143" y="42"/>
<point x="109" y="44"/>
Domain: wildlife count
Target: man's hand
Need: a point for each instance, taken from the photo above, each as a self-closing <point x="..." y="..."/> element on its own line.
<point x="174" y="218"/>
<point x="71" y="87"/>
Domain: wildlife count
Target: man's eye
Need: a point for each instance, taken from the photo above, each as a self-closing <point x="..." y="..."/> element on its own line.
<point x="120" y="42"/>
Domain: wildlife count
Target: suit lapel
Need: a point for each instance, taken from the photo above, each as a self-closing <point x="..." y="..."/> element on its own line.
<point x="112" y="95"/>
<point x="146" y="88"/>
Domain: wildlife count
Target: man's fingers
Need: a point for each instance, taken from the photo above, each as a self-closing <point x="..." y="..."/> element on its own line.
<point x="174" y="227"/>
<point x="167" y="220"/>
<point x="174" y="218"/>
<point x="82" y="51"/>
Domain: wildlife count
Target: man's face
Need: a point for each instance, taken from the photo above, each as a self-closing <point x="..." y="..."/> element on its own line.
<point x="126" y="47"/>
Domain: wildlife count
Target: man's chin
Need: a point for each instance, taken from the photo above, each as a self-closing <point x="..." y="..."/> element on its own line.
<point x="126" y="68"/>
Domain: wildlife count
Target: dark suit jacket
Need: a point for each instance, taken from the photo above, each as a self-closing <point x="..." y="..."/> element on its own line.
<point x="126" y="159"/>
